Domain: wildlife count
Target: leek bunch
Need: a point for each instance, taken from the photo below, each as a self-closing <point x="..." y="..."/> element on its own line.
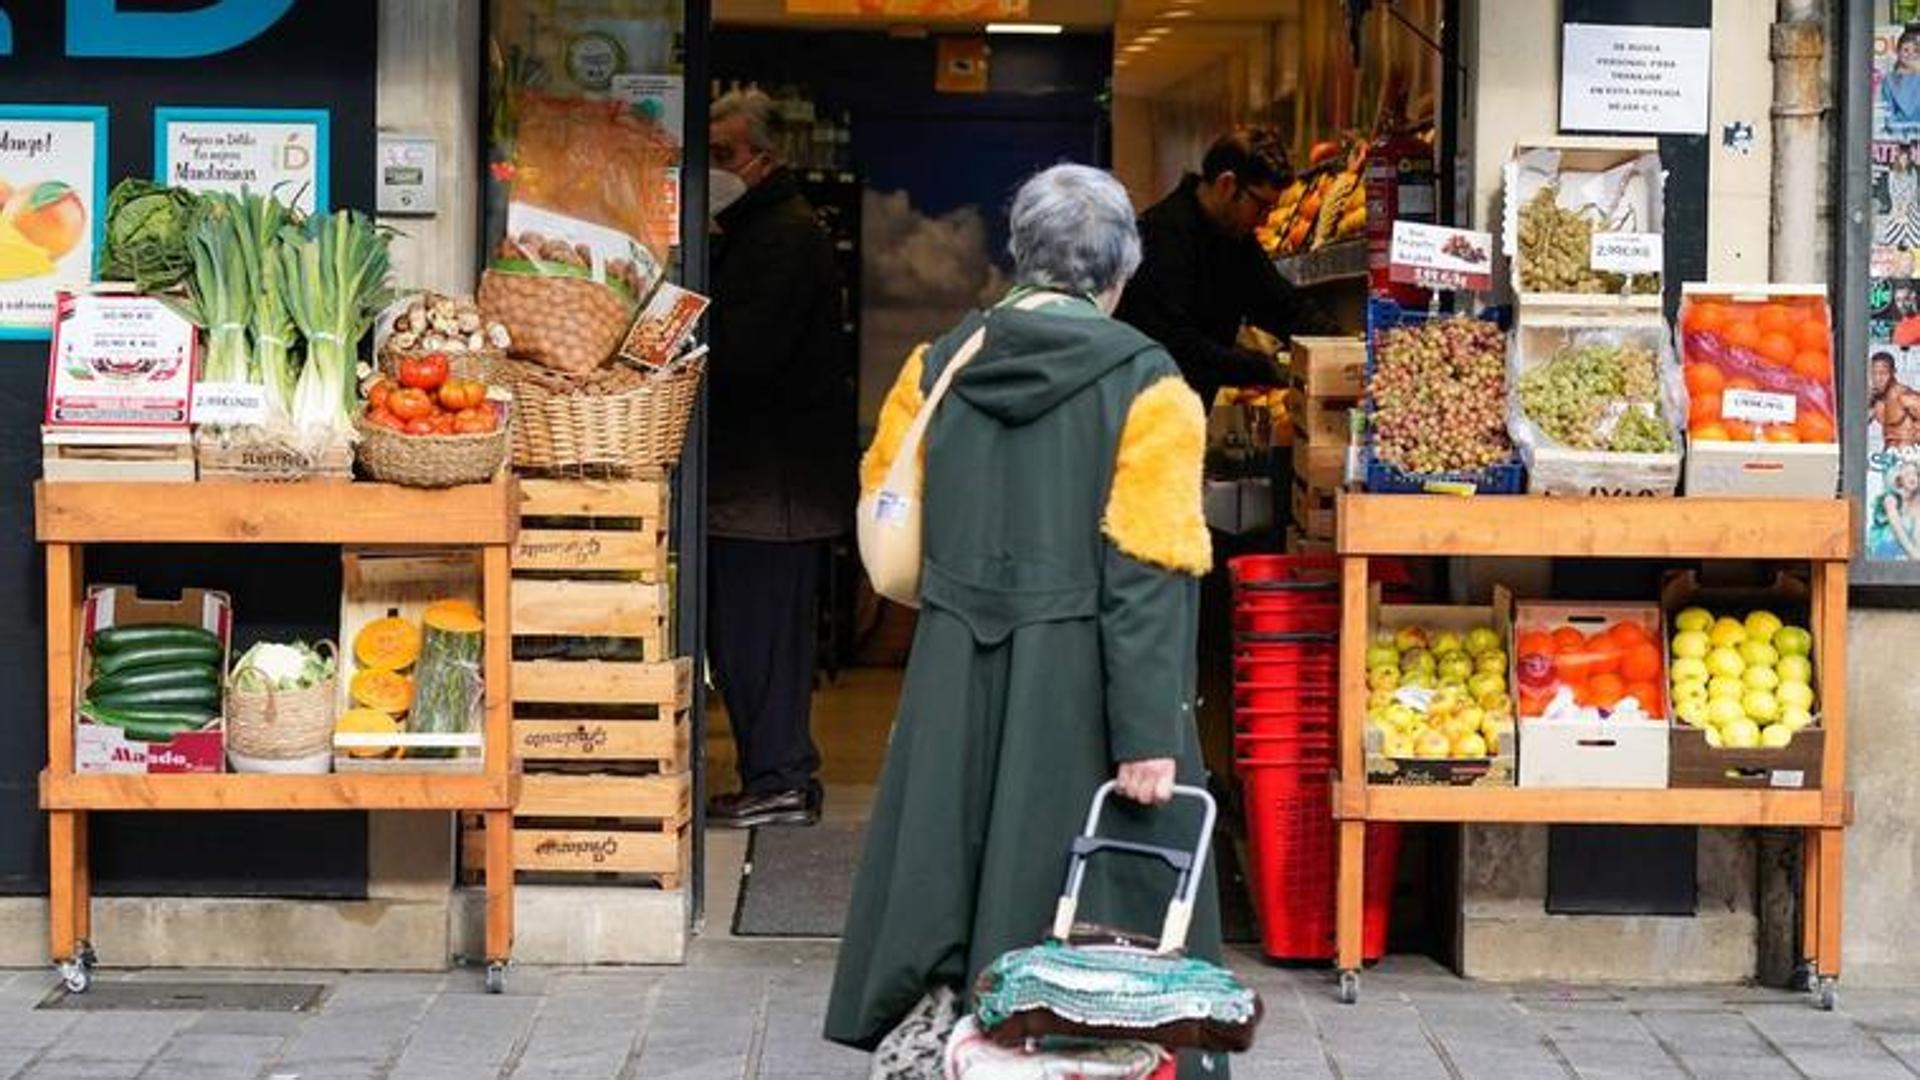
<point x="333" y="282"/>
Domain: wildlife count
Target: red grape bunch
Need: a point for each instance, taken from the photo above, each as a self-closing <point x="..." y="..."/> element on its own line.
<point x="1439" y="393"/>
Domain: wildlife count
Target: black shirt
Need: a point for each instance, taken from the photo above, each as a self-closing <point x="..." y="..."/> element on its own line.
<point x="1198" y="283"/>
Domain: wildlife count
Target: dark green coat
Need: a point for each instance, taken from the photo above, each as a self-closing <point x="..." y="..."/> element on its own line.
<point x="1046" y="654"/>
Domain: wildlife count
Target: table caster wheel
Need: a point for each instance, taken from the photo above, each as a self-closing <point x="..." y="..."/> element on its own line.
<point x="75" y="976"/>
<point x="496" y="977"/>
<point x="1349" y="987"/>
<point x="1826" y="995"/>
<point x="86" y="956"/>
<point x="1802" y="980"/>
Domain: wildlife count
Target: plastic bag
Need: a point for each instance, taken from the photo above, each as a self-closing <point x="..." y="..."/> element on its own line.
<point x="1609" y="402"/>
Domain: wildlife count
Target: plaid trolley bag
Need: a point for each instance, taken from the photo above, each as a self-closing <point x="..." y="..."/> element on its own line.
<point x="1090" y="983"/>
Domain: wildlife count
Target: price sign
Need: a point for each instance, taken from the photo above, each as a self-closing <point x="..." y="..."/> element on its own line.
<point x="1436" y="257"/>
<point x="119" y="360"/>
<point x="1759" y="407"/>
<point x="1627" y="253"/>
<point x="229" y="404"/>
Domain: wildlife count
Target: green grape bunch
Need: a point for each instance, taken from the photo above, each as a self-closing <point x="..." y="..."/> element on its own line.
<point x="1599" y="396"/>
<point x="1556" y="249"/>
<point x="1439" y="391"/>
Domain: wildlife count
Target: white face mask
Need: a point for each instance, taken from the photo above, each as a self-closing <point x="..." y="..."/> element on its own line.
<point x="723" y="190"/>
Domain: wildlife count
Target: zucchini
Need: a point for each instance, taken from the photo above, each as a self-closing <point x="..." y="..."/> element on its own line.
<point x="149" y="725"/>
<point x="117" y="638"/>
<point x="152" y="678"/>
<point x="149" y="656"/>
<point x="162" y="696"/>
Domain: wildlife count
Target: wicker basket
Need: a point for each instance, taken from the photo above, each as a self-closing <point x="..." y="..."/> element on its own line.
<point x="488" y="366"/>
<point x="616" y="420"/>
<point x="256" y="456"/>
<point x="282" y="725"/>
<point x="432" y="461"/>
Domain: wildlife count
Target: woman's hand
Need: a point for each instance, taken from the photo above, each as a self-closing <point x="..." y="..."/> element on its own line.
<point x="1148" y="782"/>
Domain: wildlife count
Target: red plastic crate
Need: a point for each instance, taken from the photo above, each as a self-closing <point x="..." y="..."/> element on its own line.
<point x="1308" y="619"/>
<point x="1263" y="698"/>
<point x="1284" y="721"/>
<point x="1292" y="844"/>
<point x="1310" y="672"/>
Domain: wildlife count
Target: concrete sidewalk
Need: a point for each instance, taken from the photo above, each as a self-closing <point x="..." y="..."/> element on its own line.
<point x="745" y="1009"/>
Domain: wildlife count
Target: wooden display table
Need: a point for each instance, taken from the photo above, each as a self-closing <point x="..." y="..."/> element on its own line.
<point x="1816" y="531"/>
<point x="70" y="516"/>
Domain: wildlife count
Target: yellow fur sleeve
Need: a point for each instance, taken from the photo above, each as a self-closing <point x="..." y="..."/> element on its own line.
<point x="1154" y="512"/>
<point x="896" y="416"/>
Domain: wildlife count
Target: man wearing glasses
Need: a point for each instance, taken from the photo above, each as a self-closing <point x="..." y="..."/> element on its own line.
<point x="1205" y="274"/>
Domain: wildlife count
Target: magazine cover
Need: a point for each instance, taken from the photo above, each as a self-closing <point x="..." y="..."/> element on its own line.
<point x="1896" y="82"/>
<point x="1893" y="453"/>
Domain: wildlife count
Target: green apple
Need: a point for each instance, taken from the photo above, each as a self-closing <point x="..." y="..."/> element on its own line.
<point x="1398" y="745"/>
<point x="1482" y="640"/>
<point x="1794" y="669"/>
<point x="1451" y="683"/>
<point x="1761" y="706"/>
<point x="1498" y="706"/>
<point x="1793" y="641"/>
<point x="1795" y="718"/>
<point x="1691" y="690"/>
<point x="1380" y="699"/>
<point x="1688" y="667"/>
<point x="1795" y="695"/>
<point x="1408" y="638"/>
<point x="1776" y="736"/>
<point x="1455" y="665"/>
<point x="1418" y="660"/>
<point x="1432" y="746"/>
<point x="1727" y="632"/>
<point x="1447" y="643"/>
<point x="1725" y="660"/>
<point x="1713" y="738"/>
<point x="1486" y="684"/>
<point x="1470" y="745"/>
<point x="1401" y="716"/>
<point x="1379" y="655"/>
<point x="1694" y="618"/>
<point x="1758" y="653"/>
<point x="1727" y="686"/>
<point x="1741" y="734"/>
<point x="1418" y="680"/>
<point x="1761" y="678"/>
<point x="1692" y="713"/>
<point x="1762" y="625"/>
<point x="1724" y="711"/>
<point x="1383" y="677"/>
<point x="1491" y="663"/>
<point x="1473" y="716"/>
<point x="1693" y="644"/>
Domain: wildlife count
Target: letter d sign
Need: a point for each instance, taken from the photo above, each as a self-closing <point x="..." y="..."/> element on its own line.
<point x="98" y="28"/>
<point x="294" y="156"/>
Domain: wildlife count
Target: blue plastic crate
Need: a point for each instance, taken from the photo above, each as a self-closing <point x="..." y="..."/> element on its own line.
<point x="1507" y="478"/>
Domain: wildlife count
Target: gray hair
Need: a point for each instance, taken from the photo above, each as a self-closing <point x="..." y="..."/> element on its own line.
<point x="1073" y="230"/>
<point x="763" y="116"/>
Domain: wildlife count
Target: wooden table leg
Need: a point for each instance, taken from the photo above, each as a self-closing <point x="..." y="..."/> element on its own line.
<point x="499" y="874"/>
<point x="83" y="881"/>
<point x="1832" y="857"/>
<point x="63" y="883"/>
<point x="1810" y="898"/>
<point x="1350" y="894"/>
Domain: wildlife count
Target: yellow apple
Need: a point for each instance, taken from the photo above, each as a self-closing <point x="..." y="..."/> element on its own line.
<point x="1725" y="660"/>
<point x="1741" y="734"/>
<point x="1761" y="678"/>
<point x="1692" y="644"/>
<point x="1761" y="706"/>
<point x="1795" y="669"/>
<point x="1694" y="618"/>
<point x="1793" y="641"/>
<point x="1794" y="718"/>
<point x="1776" y="736"/>
<point x="1762" y="625"/>
<point x="1689" y="667"/>
<point x="1432" y="746"/>
<point x="1724" y="712"/>
<point x="1727" y="686"/>
<point x="1470" y="745"/>
<point x="1795" y="695"/>
<point x="1728" y="633"/>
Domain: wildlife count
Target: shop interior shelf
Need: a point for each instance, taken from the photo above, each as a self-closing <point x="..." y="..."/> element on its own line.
<point x="309" y="512"/>
<point x="241" y="791"/>
<point x="1539" y="526"/>
<point x="1551" y="806"/>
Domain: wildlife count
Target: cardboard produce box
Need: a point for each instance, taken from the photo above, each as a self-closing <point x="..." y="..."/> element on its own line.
<point x="1616" y="183"/>
<point x="1604" y="745"/>
<point x="1556" y="469"/>
<point x="1697" y="764"/>
<point x="103" y="748"/>
<point x="1386" y="767"/>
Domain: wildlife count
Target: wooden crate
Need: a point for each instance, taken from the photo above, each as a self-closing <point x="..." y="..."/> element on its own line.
<point x="592" y="562"/>
<point x="602" y="714"/>
<point x="1318" y="465"/>
<point x="614" y="829"/>
<point x="95" y="455"/>
<point x="1332" y="368"/>
<point x="1313" y="512"/>
<point x="1323" y="421"/>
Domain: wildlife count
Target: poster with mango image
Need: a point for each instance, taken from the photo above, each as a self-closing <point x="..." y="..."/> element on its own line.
<point x="52" y="164"/>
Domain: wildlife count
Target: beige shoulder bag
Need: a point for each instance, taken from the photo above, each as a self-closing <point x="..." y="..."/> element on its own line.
<point x="888" y="519"/>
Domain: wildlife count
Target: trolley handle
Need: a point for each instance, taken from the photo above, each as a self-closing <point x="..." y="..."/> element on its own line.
<point x="1188" y="865"/>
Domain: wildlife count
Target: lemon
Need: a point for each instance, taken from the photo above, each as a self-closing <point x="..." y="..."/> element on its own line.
<point x="1694" y="618"/>
<point x="1729" y="632"/>
<point x="1762" y="625"/>
<point x="1726" y="661"/>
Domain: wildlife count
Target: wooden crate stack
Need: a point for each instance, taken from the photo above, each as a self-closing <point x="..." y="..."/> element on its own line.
<point x="600" y="705"/>
<point x="1328" y="381"/>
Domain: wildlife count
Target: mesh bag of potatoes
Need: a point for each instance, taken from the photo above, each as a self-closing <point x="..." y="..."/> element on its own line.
<point x="577" y="259"/>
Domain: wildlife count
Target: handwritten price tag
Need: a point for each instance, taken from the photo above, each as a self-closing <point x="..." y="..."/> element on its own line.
<point x="1759" y="407"/>
<point x="1627" y="253"/>
<point x="229" y="404"/>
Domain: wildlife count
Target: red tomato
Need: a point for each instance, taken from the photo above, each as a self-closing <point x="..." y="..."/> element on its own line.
<point x="382" y="418"/>
<point x="442" y="423"/>
<point x="419" y="427"/>
<point x="377" y="393"/>
<point x="410" y="404"/>
<point x="423" y="372"/>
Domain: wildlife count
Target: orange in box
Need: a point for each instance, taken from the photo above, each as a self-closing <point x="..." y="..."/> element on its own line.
<point x="1603" y="653"/>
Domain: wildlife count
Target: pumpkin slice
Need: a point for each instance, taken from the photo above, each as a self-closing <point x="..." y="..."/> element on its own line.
<point x="454" y="617"/>
<point x="388" y="691"/>
<point x="387" y="644"/>
<point x="368" y="722"/>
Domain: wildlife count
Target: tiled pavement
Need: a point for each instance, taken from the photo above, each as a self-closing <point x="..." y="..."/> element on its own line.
<point x="744" y="1010"/>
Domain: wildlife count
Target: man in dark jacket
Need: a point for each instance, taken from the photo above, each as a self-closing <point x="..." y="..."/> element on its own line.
<point x="780" y="463"/>
<point x="1205" y="273"/>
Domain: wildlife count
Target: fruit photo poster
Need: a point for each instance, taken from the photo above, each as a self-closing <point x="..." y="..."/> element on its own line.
<point x="52" y="189"/>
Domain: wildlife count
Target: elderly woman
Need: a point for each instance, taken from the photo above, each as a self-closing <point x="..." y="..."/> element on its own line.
<point x="1063" y="542"/>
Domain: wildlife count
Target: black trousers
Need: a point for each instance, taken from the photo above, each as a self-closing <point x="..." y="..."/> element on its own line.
<point x="761" y="626"/>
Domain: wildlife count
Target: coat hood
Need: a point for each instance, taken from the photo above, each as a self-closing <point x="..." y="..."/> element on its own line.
<point x="1032" y="361"/>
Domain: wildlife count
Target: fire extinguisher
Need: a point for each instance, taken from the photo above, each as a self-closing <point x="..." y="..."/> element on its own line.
<point x="1402" y="184"/>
